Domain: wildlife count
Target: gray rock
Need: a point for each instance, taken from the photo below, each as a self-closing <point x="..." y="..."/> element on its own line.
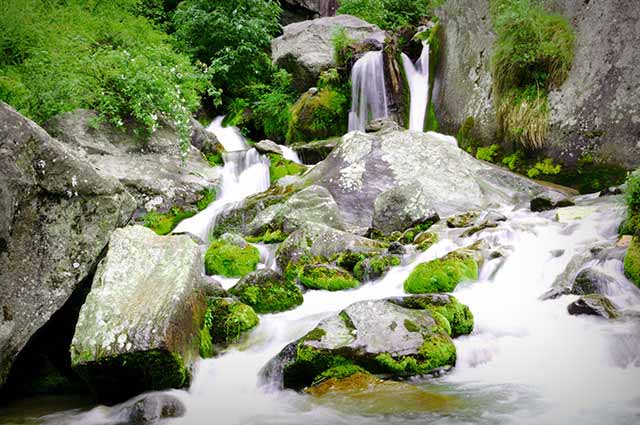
<point x="302" y="10"/>
<point x="153" y="173"/>
<point x="363" y="166"/>
<point x="305" y="49"/>
<point x="56" y="214"/>
<point x="311" y="205"/>
<point x="268" y="146"/>
<point x="213" y="288"/>
<point x="314" y="152"/>
<point x="318" y="240"/>
<point x="402" y="207"/>
<point x="204" y="141"/>
<point x="377" y="335"/>
<point x="593" y="305"/>
<point x="591" y="281"/>
<point x="150" y="410"/>
<point x="139" y="327"/>
<point x="547" y="203"/>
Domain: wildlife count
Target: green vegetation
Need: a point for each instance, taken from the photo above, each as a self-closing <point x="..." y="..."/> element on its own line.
<point x="338" y="372"/>
<point x="458" y="316"/>
<point x="436" y="351"/>
<point x="280" y="167"/>
<point x="442" y="274"/>
<point x="533" y="53"/>
<point x="230" y="260"/>
<point x="230" y="319"/>
<point x="341" y="41"/>
<point x="267" y="293"/>
<point x="206" y="342"/>
<point x="321" y="276"/>
<point x="487" y="153"/>
<point x="425" y="240"/>
<point x="59" y="56"/>
<point x="164" y="223"/>
<point x="631" y="225"/>
<point x="318" y="115"/>
<point x="546" y="167"/>
<point x="389" y="14"/>
<point x="374" y="267"/>
<point x="632" y="261"/>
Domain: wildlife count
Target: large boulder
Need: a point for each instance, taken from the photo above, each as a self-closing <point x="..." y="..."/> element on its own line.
<point x="305" y="48"/>
<point x="56" y="214"/>
<point x="266" y="291"/>
<point x="139" y="328"/>
<point x="365" y="167"/>
<point x="594" y="112"/>
<point x="152" y="171"/>
<point x="381" y="336"/>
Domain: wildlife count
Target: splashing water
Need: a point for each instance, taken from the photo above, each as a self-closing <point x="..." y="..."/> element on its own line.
<point x="290" y="154"/>
<point x="527" y="361"/>
<point x="245" y="173"/>
<point x="418" y="78"/>
<point x="368" y="92"/>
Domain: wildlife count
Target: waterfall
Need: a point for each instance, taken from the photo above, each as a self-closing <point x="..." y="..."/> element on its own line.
<point x="368" y="93"/>
<point x="290" y="154"/>
<point x="418" y="78"/>
<point x="245" y="173"/>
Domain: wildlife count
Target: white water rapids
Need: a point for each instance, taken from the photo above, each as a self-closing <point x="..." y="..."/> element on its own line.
<point x="368" y="91"/>
<point x="527" y="361"/>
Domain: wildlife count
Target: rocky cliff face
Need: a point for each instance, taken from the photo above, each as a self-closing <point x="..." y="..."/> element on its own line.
<point x="594" y="114"/>
<point x="301" y="10"/>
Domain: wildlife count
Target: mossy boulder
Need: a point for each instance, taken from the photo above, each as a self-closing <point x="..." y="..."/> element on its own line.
<point x="318" y="114"/>
<point x="458" y="315"/>
<point x="327" y="277"/>
<point x="632" y="261"/>
<point x="230" y="319"/>
<point x="402" y="207"/>
<point x="280" y="167"/>
<point x="594" y="305"/>
<point x="380" y="336"/>
<point x="425" y="240"/>
<point x="139" y="329"/>
<point x="442" y="274"/>
<point x="231" y="260"/>
<point x="267" y="292"/>
<point x="374" y="267"/>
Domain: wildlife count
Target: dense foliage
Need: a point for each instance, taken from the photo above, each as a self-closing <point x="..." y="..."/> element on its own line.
<point x="232" y="37"/>
<point x="533" y="53"/>
<point x="59" y="56"/>
<point x="389" y="14"/>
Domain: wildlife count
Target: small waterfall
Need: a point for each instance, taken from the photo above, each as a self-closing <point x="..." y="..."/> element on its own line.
<point x="290" y="154"/>
<point x="368" y="93"/>
<point x="418" y="78"/>
<point x="245" y="173"/>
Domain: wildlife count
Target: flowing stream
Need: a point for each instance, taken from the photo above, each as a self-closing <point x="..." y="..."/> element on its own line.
<point x="418" y="79"/>
<point x="527" y="361"/>
<point x="368" y="92"/>
<point x="245" y="173"/>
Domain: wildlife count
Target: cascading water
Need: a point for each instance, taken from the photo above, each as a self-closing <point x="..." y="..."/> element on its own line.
<point x="290" y="154"/>
<point x="418" y="79"/>
<point x="245" y="173"/>
<point x="368" y="92"/>
<point x="527" y="361"/>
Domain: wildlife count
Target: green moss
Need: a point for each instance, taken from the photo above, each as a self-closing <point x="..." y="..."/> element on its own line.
<point x="308" y="363"/>
<point x="230" y="260"/>
<point x="465" y="140"/>
<point x="425" y="240"/>
<point x="318" y="116"/>
<point x="436" y="351"/>
<point x="280" y="167"/>
<point x="215" y="159"/>
<point x="411" y="326"/>
<point x="315" y="335"/>
<point x="632" y="261"/>
<point x="338" y="372"/>
<point x="142" y="371"/>
<point x="326" y="277"/>
<point x="374" y="267"/>
<point x="546" y="167"/>
<point x="348" y="260"/>
<point x="268" y="237"/>
<point x="269" y="296"/>
<point x="230" y="319"/>
<point x="164" y="223"/>
<point x="442" y="274"/>
<point x="206" y="343"/>
<point x="207" y="197"/>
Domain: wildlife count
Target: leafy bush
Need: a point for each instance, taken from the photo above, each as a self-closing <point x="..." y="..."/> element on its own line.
<point x="59" y="56"/>
<point x="272" y="105"/>
<point x="389" y="14"/>
<point x="341" y="42"/>
<point x="533" y="53"/>
<point x="232" y="37"/>
<point x="487" y="153"/>
<point x="546" y="167"/>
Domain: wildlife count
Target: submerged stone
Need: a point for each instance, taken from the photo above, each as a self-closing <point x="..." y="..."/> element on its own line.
<point x="266" y="291"/>
<point x="591" y="281"/>
<point x="593" y="305"/>
<point x="442" y="274"/>
<point x="139" y="327"/>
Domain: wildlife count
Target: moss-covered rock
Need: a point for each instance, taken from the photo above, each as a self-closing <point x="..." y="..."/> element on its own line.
<point x="227" y="259"/>
<point x="323" y="276"/>
<point x="163" y="223"/>
<point x="458" y="316"/>
<point x="425" y="240"/>
<point x="230" y="319"/>
<point x="267" y="292"/>
<point x="380" y="336"/>
<point x="442" y="274"/>
<point x="594" y="305"/>
<point x="280" y="167"/>
<point x="632" y="261"/>
<point x="374" y="267"/>
<point x="318" y="114"/>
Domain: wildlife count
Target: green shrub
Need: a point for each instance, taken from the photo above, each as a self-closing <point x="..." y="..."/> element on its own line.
<point x="232" y="37"/>
<point x="272" y="105"/>
<point x="546" y="167"/>
<point x="513" y="160"/>
<point x="487" y="153"/>
<point x="533" y="53"/>
<point x="389" y="14"/>
<point x="341" y="42"/>
<point x="59" y="56"/>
